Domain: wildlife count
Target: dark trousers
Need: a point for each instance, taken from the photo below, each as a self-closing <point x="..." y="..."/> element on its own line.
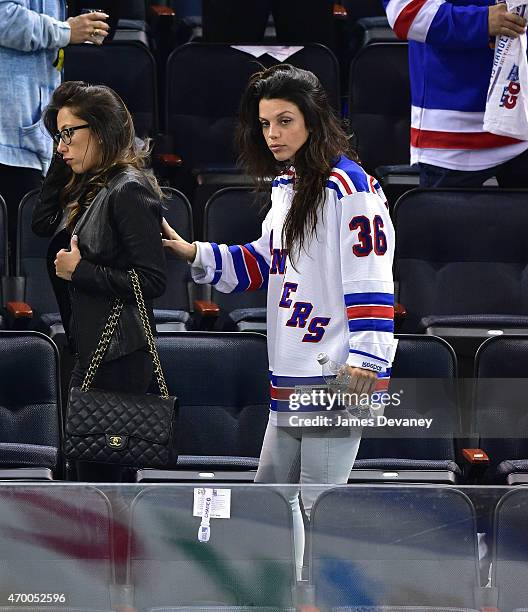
<point x="131" y="374"/>
<point x="244" y="21"/>
<point x="15" y="182"/>
<point x="512" y="174"/>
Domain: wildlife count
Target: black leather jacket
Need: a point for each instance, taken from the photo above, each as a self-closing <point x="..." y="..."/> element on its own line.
<point x="119" y="230"/>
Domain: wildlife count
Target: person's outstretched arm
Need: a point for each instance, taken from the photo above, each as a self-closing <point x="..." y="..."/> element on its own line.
<point x="229" y="268"/>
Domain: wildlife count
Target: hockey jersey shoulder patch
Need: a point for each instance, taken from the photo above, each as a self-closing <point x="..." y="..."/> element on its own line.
<point x="348" y="177"/>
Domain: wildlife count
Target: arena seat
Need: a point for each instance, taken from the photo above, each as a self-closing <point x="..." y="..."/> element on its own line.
<point x="460" y="263"/>
<point x="380" y="114"/>
<point x="234" y="216"/>
<point x="424" y="377"/>
<point x="204" y="85"/>
<point x="205" y="82"/>
<point x="375" y="29"/>
<point x="498" y="416"/>
<point x="128" y="68"/>
<point x="171" y="310"/>
<point x="30" y="406"/>
<point x="221" y="381"/>
<point x="4" y="263"/>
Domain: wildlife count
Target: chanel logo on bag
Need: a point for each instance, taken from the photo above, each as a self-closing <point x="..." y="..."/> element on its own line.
<point x="116" y="442"/>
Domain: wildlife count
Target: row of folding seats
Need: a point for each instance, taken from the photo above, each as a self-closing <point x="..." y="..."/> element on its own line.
<point x="220" y="380"/>
<point x="203" y="84"/>
<point x="222" y="386"/>
<point x="390" y="548"/>
<point x="446" y="262"/>
<point x="195" y="75"/>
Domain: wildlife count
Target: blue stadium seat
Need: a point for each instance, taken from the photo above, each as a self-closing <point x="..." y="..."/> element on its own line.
<point x="460" y="259"/>
<point x="203" y="100"/>
<point x="221" y="381"/>
<point x="171" y="310"/>
<point x="380" y="112"/>
<point x="205" y="82"/>
<point x="424" y="377"/>
<point x="30" y="406"/>
<point x="128" y="68"/>
<point x="234" y="215"/>
<point x="3" y="255"/>
<point x="499" y="414"/>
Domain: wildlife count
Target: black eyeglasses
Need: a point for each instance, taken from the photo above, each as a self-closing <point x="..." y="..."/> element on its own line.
<point x="66" y="134"/>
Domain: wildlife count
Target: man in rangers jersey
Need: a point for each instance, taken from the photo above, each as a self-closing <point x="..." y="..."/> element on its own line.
<point x="325" y="258"/>
<point x="450" y="61"/>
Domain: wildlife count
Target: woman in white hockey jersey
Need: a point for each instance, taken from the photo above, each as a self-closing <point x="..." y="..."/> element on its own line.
<point x="325" y="256"/>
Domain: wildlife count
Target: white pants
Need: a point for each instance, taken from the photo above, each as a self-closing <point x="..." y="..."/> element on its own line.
<point x="309" y="456"/>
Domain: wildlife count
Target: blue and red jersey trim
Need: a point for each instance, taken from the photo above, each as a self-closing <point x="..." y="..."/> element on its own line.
<point x="370" y="311"/>
<point x="251" y="269"/>
<point x="282" y="387"/>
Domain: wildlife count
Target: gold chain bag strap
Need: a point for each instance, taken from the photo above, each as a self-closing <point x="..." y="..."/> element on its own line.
<point x="118" y="427"/>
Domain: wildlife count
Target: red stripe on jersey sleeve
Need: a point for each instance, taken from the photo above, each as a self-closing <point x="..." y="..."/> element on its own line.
<point x="379" y="312"/>
<point x="430" y="139"/>
<point x="278" y="393"/>
<point x="255" y="277"/>
<point x="405" y="19"/>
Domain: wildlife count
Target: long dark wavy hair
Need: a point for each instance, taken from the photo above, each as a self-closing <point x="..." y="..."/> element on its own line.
<point x="111" y="123"/>
<point x="313" y="162"/>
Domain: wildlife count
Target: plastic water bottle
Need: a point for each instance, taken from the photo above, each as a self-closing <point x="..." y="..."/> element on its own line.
<point x="338" y="379"/>
<point x="335" y="374"/>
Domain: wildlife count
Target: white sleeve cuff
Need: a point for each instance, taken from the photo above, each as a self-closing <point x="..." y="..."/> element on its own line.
<point x="362" y="357"/>
<point x="366" y="363"/>
<point x="202" y="267"/>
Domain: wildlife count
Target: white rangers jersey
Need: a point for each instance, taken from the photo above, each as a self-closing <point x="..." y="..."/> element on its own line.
<point x="339" y="296"/>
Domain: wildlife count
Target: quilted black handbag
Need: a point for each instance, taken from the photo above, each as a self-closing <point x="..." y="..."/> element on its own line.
<point x="121" y="428"/>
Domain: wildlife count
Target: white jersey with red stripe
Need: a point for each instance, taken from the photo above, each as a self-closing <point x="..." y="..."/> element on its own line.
<point x="337" y="295"/>
<point x="450" y="66"/>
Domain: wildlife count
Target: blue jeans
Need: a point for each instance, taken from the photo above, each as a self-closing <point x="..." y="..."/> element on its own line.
<point x="512" y="174"/>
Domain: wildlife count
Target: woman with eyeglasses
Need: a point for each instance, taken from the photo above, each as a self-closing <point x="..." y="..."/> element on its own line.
<point x="102" y="210"/>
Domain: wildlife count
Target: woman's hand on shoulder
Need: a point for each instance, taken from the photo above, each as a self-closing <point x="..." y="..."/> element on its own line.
<point x="174" y="242"/>
<point x="66" y="261"/>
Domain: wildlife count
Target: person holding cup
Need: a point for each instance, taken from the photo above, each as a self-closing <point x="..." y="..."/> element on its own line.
<point x="32" y="36"/>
